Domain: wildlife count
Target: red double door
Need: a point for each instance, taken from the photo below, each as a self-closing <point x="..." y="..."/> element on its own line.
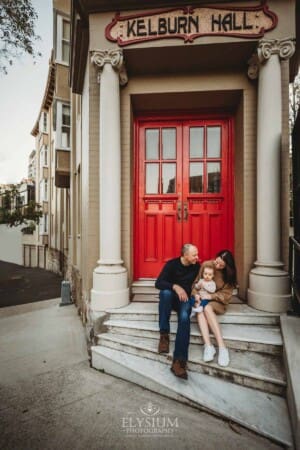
<point x="183" y="189"/>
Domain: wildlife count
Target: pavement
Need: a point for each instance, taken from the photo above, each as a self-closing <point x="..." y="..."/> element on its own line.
<point x="50" y="397"/>
<point x="19" y="284"/>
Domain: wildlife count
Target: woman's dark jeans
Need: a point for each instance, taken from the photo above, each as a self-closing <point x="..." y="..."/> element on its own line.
<point x="168" y="300"/>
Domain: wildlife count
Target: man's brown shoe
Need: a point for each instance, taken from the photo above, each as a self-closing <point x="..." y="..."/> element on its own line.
<point x="163" y="346"/>
<point x="179" y="369"/>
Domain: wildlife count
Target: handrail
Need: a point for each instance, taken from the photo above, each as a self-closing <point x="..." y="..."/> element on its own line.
<point x="295" y="243"/>
<point x="294" y="273"/>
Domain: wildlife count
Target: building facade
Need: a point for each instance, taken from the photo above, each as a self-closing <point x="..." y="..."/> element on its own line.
<point x="52" y="133"/>
<point x="180" y="134"/>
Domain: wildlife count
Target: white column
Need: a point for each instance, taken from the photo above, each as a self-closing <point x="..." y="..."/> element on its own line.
<point x="110" y="280"/>
<point x="269" y="288"/>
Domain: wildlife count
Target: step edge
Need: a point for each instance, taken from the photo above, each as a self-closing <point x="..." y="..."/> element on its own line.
<point x="228" y="369"/>
<point x="208" y="408"/>
<point x="193" y="333"/>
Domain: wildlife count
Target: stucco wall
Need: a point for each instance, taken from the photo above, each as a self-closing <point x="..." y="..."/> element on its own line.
<point x="11" y="249"/>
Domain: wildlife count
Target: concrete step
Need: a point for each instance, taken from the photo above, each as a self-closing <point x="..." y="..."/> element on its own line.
<point x="255" y="338"/>
<point x="143" y="290"/>
<point x="236" y="313"/>
<point x="263" y="372"/>
<point x="144" y="287"/>
<point x="151" y="297"/>
<point x="263" y="413"/>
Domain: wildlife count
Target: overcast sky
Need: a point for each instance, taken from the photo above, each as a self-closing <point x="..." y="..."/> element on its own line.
<point x="21" y="94"/>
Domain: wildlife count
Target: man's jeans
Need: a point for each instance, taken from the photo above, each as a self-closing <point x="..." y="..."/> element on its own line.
<point x="168" y="300"/>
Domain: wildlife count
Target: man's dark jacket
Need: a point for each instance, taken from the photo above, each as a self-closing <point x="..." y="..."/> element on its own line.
<point x="174" y="272"/>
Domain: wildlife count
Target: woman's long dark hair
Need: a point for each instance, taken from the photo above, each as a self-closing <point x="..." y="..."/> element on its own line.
<point x="229" y="271"/>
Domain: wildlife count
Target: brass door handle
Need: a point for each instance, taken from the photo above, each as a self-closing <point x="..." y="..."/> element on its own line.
<point x="179" y="211"/>
<point x="185" y="211"/>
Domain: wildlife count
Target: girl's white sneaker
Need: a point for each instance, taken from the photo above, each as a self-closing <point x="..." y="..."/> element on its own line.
<point x="209" y="353"/>
<point x="223" y="358"/>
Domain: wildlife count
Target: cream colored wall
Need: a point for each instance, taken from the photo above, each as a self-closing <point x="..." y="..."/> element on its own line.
<point x="11" y="248"/>
<point x="90" y="179"/>
<point x="62" y="89"/>
<point x="62" y="5"/>
<point x="245" y="157"/>
<point x="246" y="150"/>
<point x="239" y="193"/>
<point x="73" y="198"/>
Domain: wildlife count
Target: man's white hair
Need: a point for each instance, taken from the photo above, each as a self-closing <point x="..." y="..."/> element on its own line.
<point x="186" y="248"/>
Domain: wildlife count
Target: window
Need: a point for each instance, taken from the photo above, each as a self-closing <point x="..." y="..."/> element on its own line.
<point x="161" y="165"/>
<point x="43" y="225"/>
<point x="45" y="229"/>
<point x="43" y="156"/>
<point x="46" y="190"/>
<point x="43" y="190"/>
<point x="63" y="39"/>
<point x="63" y="125"/>
<point x="46" y="155"/>
<point x="43" y="124"/>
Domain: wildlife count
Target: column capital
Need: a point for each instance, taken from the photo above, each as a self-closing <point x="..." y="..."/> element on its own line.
<point x="113" y="57"/>
<point x="284" y="48"/>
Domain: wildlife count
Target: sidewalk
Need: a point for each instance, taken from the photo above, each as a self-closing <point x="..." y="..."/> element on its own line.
<point x="50" y="398"/>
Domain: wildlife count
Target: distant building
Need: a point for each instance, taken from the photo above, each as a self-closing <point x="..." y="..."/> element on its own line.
<point x="52" y="131"/>
<point x="17" y="195"/>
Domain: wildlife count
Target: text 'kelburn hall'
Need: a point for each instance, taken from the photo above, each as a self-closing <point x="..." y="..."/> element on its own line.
<point x="186" y="24"/>
<point x="191" y="23"/>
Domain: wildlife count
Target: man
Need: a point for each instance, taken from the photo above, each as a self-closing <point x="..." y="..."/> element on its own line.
<point x="175" y="284"/>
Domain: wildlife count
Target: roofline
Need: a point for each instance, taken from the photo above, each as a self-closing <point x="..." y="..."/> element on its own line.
<point x="48" y="94"/>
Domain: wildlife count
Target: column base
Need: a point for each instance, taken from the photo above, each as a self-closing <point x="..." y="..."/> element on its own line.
<point x="269" y="289"/>
<point x="110" y="288"/>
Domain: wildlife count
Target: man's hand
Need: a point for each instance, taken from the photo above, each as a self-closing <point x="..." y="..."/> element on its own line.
<point x="182" y="295"/>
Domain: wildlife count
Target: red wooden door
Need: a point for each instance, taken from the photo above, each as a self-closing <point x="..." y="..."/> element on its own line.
<point x="183" y="190"/>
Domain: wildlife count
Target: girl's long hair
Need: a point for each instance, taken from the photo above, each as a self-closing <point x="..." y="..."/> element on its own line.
<point x="229" y="271"/>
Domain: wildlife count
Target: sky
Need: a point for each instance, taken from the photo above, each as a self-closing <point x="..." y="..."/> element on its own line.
<point x="21" y="94"/>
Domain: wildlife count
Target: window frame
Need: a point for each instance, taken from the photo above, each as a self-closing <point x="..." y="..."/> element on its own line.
<point x="60" y="125"/>
<point x="60" y="19"/>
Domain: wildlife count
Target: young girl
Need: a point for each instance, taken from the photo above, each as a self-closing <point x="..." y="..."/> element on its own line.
<point x="225" y="279"/>
<point x="205" y="285"/>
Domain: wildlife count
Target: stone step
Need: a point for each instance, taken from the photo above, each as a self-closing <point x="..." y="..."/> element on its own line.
<point x="143" y="289"/>
<point x="236" y="313"/>
<point x="263" y="372"/>
<point x="152" y="297"/>
<point x="256" y="338"/>
<point x="265" y="414"/>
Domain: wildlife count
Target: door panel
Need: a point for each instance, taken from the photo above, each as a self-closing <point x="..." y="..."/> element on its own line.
<point x="184" y="190"/>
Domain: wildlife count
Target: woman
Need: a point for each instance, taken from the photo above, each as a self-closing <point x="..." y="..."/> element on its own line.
<point x="225" y="279"/>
